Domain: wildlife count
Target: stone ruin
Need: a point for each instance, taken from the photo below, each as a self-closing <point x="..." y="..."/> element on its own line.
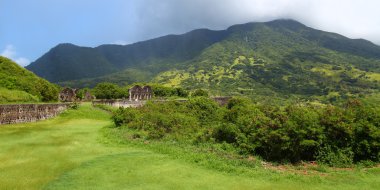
<point x="68" y="95"/>
<point x="119" y="103"/>
<point x="88" y="97"/>
<point x="20" y="113"/>
<point x="138" y="93"/>
<point x="222" y="100"/>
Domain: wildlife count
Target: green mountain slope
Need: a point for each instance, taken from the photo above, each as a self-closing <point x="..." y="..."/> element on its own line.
<point x="282" y="58"/>
<point x="272" y="60"/>
<point x="20" y="85"/>
<point x="69" y="62"/>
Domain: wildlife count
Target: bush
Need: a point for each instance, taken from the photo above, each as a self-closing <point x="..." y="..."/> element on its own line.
<point x="203" y="108"/>
<point x="163" y="91"/>
<point x="124" y="116"/>
<point x="226" y="132"/>
<point x="109" y="91"/>
<point x="199" y="92"/>
<point x="337" y="158"/>
<point x="332" y="135"/>
<point x="238" y="101"/>
<point x="74" y="105"/>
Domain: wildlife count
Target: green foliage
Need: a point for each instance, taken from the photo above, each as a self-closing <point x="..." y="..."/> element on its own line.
<point x="297" y="132"/>
<point x="124" y="116"/>
<point x="156" y="120"/>
<point x="70" y="152"/>
<point x="75" y="105"/>
<point x="180" y="92"/>
<point x="226" y="132"/>
<point x="270" y="62"/>
<point x="80" y="94"/>
<point x="17" y="79"/>
<point x="199" y="92"/>
<point x="120" y="78"/>
<point x="109" y="91"/>
<point x="10" y="96"/>
<point x="337" y="158"/>
<point x="164" y="91"/>
<point x="203" y="108"/>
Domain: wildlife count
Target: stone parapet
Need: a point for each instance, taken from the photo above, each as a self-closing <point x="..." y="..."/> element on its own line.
<point x="21" y="113"/>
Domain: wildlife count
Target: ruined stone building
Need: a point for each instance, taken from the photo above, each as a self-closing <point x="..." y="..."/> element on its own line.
<point x="68" y="95"/>
<point x="222" y="100"/>
<point x="138" y="93"/>
<point x="88" y="97"/>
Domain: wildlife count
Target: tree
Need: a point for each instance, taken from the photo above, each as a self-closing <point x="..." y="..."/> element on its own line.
<point x="109" y="91"/>
<point x="200" y="92"/>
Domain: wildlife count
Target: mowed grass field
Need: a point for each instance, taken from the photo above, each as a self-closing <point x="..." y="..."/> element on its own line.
<point x="70" y="152"/>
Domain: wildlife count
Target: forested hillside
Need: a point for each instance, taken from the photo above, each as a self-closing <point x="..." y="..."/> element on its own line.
<point x="281" y="59"/>
<point x="20" y="85"/>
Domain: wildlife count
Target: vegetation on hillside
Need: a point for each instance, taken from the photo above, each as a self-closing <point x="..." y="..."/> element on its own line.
<point x="16" y="96"/>
<point x="20" y="85"/>
<point x="277" y="63"/>
<point x="278" y="60"/>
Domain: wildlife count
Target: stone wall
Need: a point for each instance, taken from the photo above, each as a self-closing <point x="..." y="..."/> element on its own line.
<point x="119" y="103"/>
<point x="21" y="113"/>
<point x="222" y="100"/>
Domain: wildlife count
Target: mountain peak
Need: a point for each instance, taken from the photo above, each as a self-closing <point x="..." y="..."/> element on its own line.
<point x="280" y="23"/>
<point x="61" y="45"/>
<point x="287" y="23"/>
<point x="276" y="41"/>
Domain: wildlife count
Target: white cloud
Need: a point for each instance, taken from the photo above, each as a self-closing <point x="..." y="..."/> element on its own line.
<point x="120" y="42"/>
<point x="352" y="18"/>
<point x="10" y="52"/>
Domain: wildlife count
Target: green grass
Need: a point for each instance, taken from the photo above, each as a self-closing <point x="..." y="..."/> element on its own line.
<point x="70" y="152"/>
<point x="33" y="154"/>
<point x="16" y="96"/>
<point x="24" y="85"/>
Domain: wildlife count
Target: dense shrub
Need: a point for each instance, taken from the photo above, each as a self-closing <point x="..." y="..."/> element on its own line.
<point x="157" y="120"/>
<point x="199" y="92"/>
<point x="109" y="91"/>
<point x="335" y="157"/>
<point x="226" y="132"/>
<point x="203" y="108"/>
<point x="163" y="91"/>
<point x="124" y="116"/>
<point x="298" y="132"/>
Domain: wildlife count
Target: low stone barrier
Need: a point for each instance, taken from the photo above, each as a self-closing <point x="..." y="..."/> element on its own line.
<point x="222" y="101"/>
<point x="21" y="113"/>
<point x="119" y="103"/>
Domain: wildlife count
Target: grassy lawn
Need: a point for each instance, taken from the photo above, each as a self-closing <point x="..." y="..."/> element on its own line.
<point x="70" y="152"/>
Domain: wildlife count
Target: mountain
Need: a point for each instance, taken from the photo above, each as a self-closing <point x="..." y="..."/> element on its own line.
<point x="281" y="58"/>
<point x="20" y="85"/>
<point x="69" y="62"/>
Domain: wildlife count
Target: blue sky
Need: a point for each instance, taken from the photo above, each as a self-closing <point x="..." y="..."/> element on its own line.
<point x="29" y="28"/>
